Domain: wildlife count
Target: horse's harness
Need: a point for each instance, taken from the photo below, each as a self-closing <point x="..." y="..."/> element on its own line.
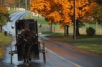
<point x="26" y="39"/>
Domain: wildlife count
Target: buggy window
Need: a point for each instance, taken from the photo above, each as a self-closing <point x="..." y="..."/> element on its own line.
<point x="26" y="23"/>
<point x="32" y="27"/>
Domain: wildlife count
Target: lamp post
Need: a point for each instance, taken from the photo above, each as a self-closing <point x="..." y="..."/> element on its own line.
<point x="74" y="32"/>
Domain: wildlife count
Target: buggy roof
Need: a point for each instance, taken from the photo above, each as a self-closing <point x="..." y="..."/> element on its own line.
<point x="24" y="23"/>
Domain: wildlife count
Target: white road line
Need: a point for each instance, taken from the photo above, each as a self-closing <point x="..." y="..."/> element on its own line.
<point x="64" y="58"/>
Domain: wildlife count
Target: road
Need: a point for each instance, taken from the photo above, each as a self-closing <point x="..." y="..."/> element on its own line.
<point x="58" y="55"/>
<point x="13" y="18"/>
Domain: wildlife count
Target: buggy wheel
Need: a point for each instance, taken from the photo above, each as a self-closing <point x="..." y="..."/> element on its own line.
<point x="11" y="58"/>
<point x="11" y="54"/>
<point x="43" y="51"/>
<point x="44" y="56"/>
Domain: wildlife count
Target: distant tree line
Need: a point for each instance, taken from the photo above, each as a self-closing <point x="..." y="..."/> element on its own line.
<point x="16" y="3"/>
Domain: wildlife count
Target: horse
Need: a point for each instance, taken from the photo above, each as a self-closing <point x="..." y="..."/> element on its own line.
<point x="27" y="40"/>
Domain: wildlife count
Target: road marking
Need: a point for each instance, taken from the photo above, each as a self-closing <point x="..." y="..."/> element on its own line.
<point x="64" y="58"/>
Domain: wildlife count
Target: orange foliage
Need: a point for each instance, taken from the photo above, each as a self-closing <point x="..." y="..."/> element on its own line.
<point x="89" y="14"/>
<point x="11" y="2"/>
<point x="3" y="9"/>
<point x="91" y="7"/>
<point x="4" y="16"/>
<point x="60" y="11"/>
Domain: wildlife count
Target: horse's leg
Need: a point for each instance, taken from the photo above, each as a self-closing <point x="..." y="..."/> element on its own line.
<point x="24" y="58"/>
<point x="24" y="54"/>
<point x="27" y="56"/>
<point x="29" y="52"/>
<point x="27" y="64"/>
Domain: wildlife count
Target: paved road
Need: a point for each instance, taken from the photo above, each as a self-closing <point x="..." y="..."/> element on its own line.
<point x="73" y="56"/>
<point x="13" y="18"/>
<point x="58" y="55"/>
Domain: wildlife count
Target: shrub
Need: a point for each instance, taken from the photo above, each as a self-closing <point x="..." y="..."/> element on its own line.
<point x="90" y="31"/>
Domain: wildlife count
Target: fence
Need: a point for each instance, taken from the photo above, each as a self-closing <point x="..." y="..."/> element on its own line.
<point x="57" y="29"/>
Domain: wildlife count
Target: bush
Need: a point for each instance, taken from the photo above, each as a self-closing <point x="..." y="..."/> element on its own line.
<point x="90" y="31"/>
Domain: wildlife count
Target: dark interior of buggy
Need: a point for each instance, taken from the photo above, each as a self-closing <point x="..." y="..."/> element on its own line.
<point x="32" y="26"/>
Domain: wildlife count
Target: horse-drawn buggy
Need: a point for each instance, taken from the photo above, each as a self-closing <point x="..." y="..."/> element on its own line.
<point x="27" y="45"/>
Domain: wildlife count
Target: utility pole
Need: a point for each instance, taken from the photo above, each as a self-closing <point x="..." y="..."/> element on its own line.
<point x="74" y="32"/>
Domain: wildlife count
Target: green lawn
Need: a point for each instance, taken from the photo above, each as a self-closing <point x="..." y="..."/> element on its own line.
<point x="93" y="44"/>
<point x="96" y="48"/>
<point x="11" y="11"/>
<point x="89" y="43"/>
<point x="4" y="41"/>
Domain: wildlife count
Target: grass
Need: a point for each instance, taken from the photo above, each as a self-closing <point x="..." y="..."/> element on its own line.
<point x="40" y="19"/>
<point x="4" y="41"/>
<point x="52" y="34"/>
<point x="96" y="48"/>
<point x="11" y="11"/>
<point x="89" y="43"/>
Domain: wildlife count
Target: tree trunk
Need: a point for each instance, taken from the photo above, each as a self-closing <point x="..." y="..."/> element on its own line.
<point x="77" y="27"/>
<point x="51" y="27"/>
<point x="96" y="27"/>
<point x="66" y="30"/>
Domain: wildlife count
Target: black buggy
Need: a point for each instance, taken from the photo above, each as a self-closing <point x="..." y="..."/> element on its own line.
<point x="27" y="44"/>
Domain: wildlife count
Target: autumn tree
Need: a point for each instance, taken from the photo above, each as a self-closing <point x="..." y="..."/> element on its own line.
<point x="61" y="11"/>
<point x="98" y="1"/>
<point x="89" y="14"/>
<point x="23" y="3"/>
<point x="12" y="3"/>
<point x="97" y="14"/>
<point x="4" y="16"/>
<point x="94" y="14"/>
